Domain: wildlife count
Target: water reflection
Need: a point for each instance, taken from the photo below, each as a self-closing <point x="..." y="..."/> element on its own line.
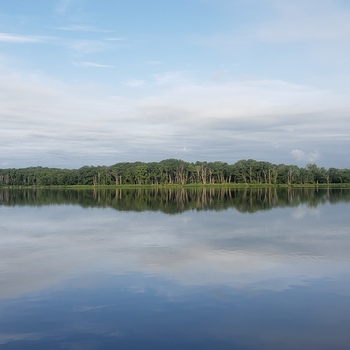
<point x="177" y="200"/>
<point x="134" y="278"/>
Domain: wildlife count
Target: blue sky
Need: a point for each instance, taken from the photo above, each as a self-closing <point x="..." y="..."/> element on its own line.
<point x="95" y="83"/>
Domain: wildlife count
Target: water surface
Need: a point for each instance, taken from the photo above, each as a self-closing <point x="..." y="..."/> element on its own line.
<point x="174" y="269"/>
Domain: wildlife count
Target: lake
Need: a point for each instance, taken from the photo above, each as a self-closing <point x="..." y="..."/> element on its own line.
<point x="175" y="269"/>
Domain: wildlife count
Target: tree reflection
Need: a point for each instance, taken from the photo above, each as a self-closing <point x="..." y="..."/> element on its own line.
<point x="173" y="200"/>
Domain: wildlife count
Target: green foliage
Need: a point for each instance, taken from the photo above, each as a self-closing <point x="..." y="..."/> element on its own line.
<point x="176" y="172"/>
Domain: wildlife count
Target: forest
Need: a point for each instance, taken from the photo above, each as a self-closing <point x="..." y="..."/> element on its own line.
<point x="176" y="172"/>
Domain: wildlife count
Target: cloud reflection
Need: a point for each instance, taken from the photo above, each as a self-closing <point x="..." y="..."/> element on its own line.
<point x="271" y="251"/>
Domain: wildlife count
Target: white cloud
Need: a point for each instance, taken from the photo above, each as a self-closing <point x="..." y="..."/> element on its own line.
<point x="62" y="6"/>
<point x="41" y="117"/>
<point x="87" y="46"/>
<point x="82" y="28"/>
<point x="258" y="99"/>
<point x="171" y="77"/>
<point x="154" y="62"/>
<point x="311" y="20"/>
<point x="93" y="65"/>
<point x="116" y="38"/>
<point x="300" y="155"/>
<point x="134" y="83"/>
<point x="14" y="38"/>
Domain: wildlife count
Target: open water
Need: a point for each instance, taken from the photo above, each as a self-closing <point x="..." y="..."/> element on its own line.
<point x="175" y="269"/>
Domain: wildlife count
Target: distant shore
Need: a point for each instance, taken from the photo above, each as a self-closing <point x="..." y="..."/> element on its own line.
<point x="178" y="173"/>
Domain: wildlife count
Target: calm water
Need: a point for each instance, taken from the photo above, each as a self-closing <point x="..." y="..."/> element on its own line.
<point x="222" y="269"/>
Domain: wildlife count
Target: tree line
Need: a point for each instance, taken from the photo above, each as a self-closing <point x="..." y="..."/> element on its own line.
<point x="176" y="172"/>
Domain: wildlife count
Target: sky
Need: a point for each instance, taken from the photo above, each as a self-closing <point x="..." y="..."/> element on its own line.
<point x="85" y="82"/>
